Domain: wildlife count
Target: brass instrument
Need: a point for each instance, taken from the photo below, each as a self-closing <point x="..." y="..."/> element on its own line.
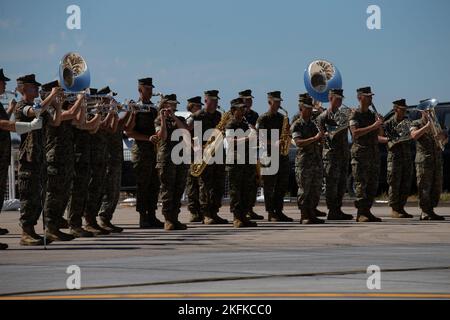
<point x="342" y="119"/>
<point x="319" y="77"/>
<point x="8" y="95"/>
<point x="400" y="133"/>
<point x="324" y="140"/>
<point x="74" y="74"/>
<point x="436" y="130"/>
<point x="285" y="137"/>
<point x="161" y="99"/>
<point x="136" y="106"/>
<point x="73" y="96"/>
<point x="212" y="145"/>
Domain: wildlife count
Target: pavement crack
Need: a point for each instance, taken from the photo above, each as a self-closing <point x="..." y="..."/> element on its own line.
<point x="226" y="278"/>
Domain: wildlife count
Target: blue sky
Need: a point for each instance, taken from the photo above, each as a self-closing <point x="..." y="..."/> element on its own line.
<point x="191" y="46"/>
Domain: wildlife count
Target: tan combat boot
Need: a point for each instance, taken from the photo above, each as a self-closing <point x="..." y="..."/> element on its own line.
<point x="247" y="222"/>
<point x="54" y="234"/>
<point x="79" y="232"/>
<point x="30" y="237"/>
<point x="107" y="225"/>
<point x="309" y="217"/>
<point x="92" y="226"/>
<point x="364" y="215"/>
<point x="272" y="217"/>
<point x="237" y="221"/>
<point x="172" y="223"/>
<point x="214" y="219"/>
<point x="279" y="216"/>
<point x="196" y="217"/>
<point x="319" y="213"/>
<point x="252" y="215"/>
<point x="430" y="215"/>
<point x="397" y="214"/>
<point x="361" y="216"/>
<point x="406" y="214"/>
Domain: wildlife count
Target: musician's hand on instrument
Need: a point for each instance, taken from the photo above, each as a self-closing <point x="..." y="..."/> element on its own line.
<point x="80" y="96"/>
<point x="153" y="139"/>
<point x="54" y="91"/>
<point x="58" y="104"/>
<point x="12" y="104"/>
<point x="378" y="123"/>
<point x="319" y="136"/>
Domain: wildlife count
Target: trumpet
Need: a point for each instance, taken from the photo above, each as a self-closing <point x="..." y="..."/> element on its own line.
<point x="8" y="95"/>
<point x="138" y="106"/>
<point x="73" y="96"/>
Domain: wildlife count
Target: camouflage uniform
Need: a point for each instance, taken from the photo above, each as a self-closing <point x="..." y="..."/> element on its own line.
<point x="60" y="169"/>
<point x="31" y="169"/>
<point x="5" y="155"/>
<point x="144" y="163"/>
<point x="97" y="173"/>
<point x="114" y="160"/>
<point x="336" y="158"/>
<point x="252" y="117"/>
<point x="193" y="194"/>
<point x="193" y="189"/>
<point x="365" y="161"/>
<point x="308" y="166"/>
<point x="172" y="176"/>
<point x="242" y="177"/>
<point x="79" y="192"/>
<point x="275" y="186"/>
<point x="399" y="168"/>
<point x="212" y="180"/>
<point x="428" y="170"/>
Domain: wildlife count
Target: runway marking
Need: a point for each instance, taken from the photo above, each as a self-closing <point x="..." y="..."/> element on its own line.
<point x="232" y="295"/>
<point x="218" y="279"/>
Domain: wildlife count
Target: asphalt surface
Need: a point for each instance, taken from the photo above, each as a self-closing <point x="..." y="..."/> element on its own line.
<point x="273" y="260"/>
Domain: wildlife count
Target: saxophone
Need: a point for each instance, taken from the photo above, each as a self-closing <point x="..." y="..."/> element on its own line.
<point x="211" y="146"/>
<point x="285" y="138"/>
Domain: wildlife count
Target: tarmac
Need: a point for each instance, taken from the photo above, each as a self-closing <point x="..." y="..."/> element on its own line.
<point x="271" y="261"/>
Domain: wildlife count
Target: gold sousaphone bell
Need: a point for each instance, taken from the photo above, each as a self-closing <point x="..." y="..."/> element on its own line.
<point x="74" y="74"/>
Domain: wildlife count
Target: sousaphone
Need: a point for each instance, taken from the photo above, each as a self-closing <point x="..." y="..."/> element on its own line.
<point x="74" y="74"/>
